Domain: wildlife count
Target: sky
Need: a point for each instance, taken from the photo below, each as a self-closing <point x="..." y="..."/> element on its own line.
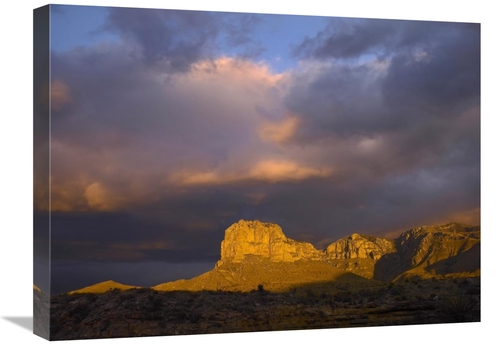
<point x="169" y="126"/>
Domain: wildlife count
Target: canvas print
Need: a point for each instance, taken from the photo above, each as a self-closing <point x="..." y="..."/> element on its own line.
<point x="202" y="172"/>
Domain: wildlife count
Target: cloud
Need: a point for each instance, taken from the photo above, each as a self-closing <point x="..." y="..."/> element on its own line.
<point x="351" y="38"/>
<point x="101" y="198"/>
<point x="267" y="171"/>
<point x="279" y="131"/>
<point x="175" y="40"/>
<point x="128" y="126"/>
<point x="398" y="109"/>
<point x="274" y="171"/>
<point x="59" y="95"/>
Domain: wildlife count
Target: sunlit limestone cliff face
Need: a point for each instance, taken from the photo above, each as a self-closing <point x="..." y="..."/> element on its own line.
<point x="359" y="246"/>
<point x="449" y="250"/>
<point x="256" y="253"/>
<point x="265" y="240"/>
<point x="359" y="253"/>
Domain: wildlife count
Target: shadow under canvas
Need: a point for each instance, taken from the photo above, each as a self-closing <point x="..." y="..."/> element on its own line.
<point x="25" y="322"/>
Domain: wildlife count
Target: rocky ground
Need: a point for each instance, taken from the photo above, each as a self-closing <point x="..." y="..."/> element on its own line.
<point x="146" y="312"/>
<point x="40" y="313"/>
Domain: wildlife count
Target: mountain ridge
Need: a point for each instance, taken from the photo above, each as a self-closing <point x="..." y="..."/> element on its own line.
<point x="255" y="249"/>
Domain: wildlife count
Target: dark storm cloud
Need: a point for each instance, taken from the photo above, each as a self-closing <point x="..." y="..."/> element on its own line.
<point x="119" y="236"/>
<point x="395" y="106"/>
<point x="345" y="38"/>
<point x="410" y="100"/>
<point x="444" y="77"/>
<point x="179" y="37"/>
<point x="431" y="71"/>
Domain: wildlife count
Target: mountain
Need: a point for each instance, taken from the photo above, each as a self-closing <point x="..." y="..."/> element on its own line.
<point x="104" y="287"/>
<point x="443" y="251"/>
<point x="265" y="240"/>
<point x="359" y="253"/>
<point x="255" y="253"/>
<point x="276" y="276"/>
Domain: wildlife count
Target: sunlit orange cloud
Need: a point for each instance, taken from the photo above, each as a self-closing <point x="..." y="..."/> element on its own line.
<point x="78" y="194"/>
<point x="64" y="196"/>
<point x="279" y="131"/>
<point x="275" y="171"/>
<point x="268" y="171"/>
<point x="101" y="198"/>
<point x="243" y="71"/>
<point x="59" y="95"/>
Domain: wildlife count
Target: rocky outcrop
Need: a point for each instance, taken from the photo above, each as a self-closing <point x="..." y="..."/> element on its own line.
<point x="265" y="240"/>
<point x="444" y="250"/>
<point x="41" y="313"/>
<point x="359" y="253"/>
<point x="359" y="246"/>
<point x="427" y="251"/>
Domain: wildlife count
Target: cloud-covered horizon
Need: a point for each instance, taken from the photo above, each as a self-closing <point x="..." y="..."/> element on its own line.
<point x="183" y="126"/>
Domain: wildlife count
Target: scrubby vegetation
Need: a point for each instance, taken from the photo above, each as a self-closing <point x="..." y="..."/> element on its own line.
<point x="147" y="312"/>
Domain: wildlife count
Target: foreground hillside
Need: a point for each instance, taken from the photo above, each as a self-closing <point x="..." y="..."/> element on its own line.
<point x="147" y="312"/>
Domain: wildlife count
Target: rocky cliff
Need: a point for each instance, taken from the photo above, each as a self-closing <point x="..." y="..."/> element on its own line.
<point x="256" y="253"/>
<point x="359" y="246"/>
<point x="265" y="240"/>
<point x="445" y="250"/>
<point x="359" y="253"/>
<point x="427" y="251"/>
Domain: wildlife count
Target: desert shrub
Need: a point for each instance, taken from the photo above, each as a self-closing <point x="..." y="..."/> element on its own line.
<point x="343" y="296"/>
<point x="459" y="309"/>
<point x="79" y="312"/>
<point x="464" y="282"/>
<point x="473" y="291"/>
<point x="195" y="316"/>
<point x="397" y="290"/>
<point x="104" y="324"/>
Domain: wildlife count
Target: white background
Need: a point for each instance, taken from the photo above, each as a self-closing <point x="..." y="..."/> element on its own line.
<point x="16" y="168"/>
